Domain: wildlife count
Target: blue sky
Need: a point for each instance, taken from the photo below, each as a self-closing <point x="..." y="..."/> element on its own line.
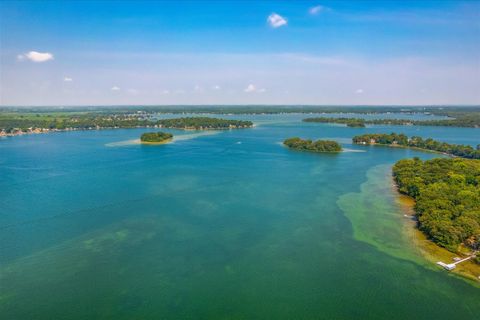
<point x="240" y="52"/>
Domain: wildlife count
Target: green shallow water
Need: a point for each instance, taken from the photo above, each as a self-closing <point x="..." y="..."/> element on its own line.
<point x="223" y="226"/>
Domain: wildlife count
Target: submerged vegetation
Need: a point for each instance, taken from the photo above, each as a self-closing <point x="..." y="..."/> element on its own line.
<point x="447" y="194"/>
<point x="155" y="137"/>
<point x="201" y="123"/>
<point x="394" y="139"/>
<point x="312" y="146"/>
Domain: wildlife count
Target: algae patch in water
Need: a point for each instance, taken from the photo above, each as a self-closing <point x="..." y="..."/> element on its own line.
<point x="375" y="217"/>
<point x="380" y="218"/>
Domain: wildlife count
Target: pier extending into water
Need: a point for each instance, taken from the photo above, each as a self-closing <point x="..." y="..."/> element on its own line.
<point x="451" y="266"/>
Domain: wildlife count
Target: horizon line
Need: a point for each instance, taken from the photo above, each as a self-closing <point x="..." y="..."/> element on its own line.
<point x="239" y="105"/>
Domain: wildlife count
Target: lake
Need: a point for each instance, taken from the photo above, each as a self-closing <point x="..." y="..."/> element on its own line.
<point x="220" y="225"/>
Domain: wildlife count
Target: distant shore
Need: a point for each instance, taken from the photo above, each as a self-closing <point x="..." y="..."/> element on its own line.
<point x="30" y="131"/>
<point x="15" y="133"/>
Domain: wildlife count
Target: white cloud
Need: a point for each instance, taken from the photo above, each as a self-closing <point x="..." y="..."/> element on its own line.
<point x="276" y="20"/>
<point x="35" y="56"/>
<point x="115" y="88"/>
<point x="165" y="92"/>
<point x="67" y="79"/>
<point x="316" y="10"/>
<point x="216" y="87"/>
<point x="359" y="91"/>
<point x="197" y="89"/>
<point x="133" y="92"/>
<point x="251" y="88"/>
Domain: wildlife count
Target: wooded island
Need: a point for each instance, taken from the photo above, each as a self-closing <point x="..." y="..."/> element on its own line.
<point x="312" y="146"/>
<point x="156" y="137"/>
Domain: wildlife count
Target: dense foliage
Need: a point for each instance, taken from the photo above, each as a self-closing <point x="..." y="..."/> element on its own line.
<point x="471" y="119"/>
<point x="350" y="122"/>
<point x="313" y="146"/>
<point x="203" y="123"/>
<point x="63" y="121"/>
<point x="155" y="136"/>
<point x="447" y="194"/>
<point x="25" y="122"/>
<point x="463" y="151"/>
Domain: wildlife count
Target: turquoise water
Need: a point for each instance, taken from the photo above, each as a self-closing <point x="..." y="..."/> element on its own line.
<point x="230" y="225"/>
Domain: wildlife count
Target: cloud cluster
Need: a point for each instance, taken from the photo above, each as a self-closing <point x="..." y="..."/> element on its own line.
<point x="316" y="10"/>
<point x="35" y="56"/>
<point x="115" y="88"/>
<point x="276" y="20"/>
<point x="67" y="79"/>
<point x="251" y="88"/>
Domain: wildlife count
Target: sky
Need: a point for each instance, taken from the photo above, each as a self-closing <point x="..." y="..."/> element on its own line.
<point x="239" y="52"/>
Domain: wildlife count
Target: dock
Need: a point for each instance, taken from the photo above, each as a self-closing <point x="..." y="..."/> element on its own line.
<point x="451" y="266"/>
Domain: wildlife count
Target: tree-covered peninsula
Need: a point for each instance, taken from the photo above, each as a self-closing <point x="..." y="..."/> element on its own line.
<point x="394" y="139"/>
<point x="312" y="146"/>
<point x="350" y="122"/>
<point x="156" y="137"/>
<point x="203" y="123"/>
<point x="447" y="194"/>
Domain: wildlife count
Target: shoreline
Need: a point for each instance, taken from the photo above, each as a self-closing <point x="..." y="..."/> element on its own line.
<point x="426" y="248"/>
<point x="406" y="147"/>
<point x="149" y="143"/>
<point x="45" y="130"/>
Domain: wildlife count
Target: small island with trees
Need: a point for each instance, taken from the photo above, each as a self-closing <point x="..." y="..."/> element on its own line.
<point x="155" y="137"/>
<point x="401" y="140"/>
<point x="313" y="146"/>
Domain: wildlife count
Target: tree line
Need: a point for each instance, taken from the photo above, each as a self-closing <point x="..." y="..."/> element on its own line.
<point x="350" y="122"/>
<point x="471" y="120"/>
<point x="200" y="123"/>
<point x="447" y="195"/>
<point x="14" y="122"/>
